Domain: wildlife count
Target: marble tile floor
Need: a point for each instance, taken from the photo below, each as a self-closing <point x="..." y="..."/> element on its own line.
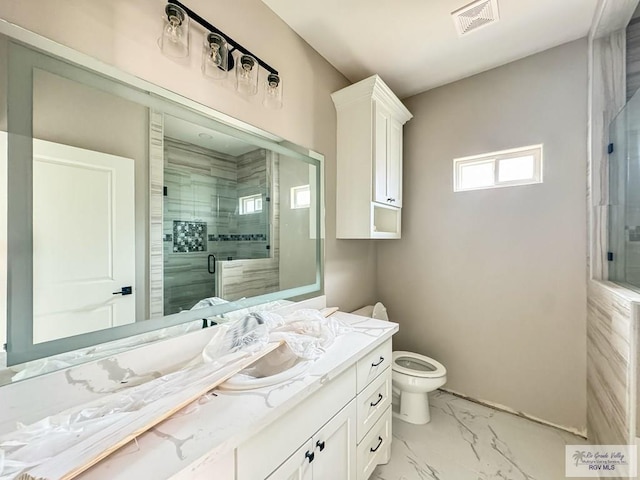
<point x="468" y="441"/>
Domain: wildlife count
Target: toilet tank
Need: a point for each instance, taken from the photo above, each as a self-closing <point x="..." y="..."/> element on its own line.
<point x="377" y="311"/>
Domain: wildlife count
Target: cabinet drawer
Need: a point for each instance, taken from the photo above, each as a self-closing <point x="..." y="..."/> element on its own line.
<point x="373" y="364"/>
<point x="375" y="448"/>
<point x="372" y="402"/>
<point x="264" y="452"/>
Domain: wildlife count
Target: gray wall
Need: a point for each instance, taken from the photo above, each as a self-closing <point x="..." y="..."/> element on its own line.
<point x="492" y="283"/>
<point x="297" y="247"/>
<point x="124" y="34"/>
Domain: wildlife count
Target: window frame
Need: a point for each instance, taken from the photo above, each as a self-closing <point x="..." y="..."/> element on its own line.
<point x="294" y="192"/>
<point x="242" y="201"/>
<point x="536" y="151"/>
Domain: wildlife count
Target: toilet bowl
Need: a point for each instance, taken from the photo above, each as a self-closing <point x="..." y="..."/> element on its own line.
<point x="413" y="376"/>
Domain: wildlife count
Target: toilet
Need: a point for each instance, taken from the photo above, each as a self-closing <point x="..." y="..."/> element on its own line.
<point x="413" y="377"/>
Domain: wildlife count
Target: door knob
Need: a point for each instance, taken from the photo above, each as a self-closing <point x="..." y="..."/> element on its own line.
<point x="124" y="291"/>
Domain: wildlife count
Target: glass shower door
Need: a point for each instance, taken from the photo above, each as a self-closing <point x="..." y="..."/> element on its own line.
<point x="624" y="195"/>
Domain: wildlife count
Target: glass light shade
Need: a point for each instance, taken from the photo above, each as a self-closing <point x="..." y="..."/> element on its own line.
<point x="174" y="41"/>
<point x="215" y="56"/>
<point x="247" y="75"/>
<point x="273" y="92"/>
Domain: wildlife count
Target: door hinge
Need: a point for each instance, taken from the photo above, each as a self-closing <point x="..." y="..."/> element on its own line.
<point x="610" y="148"/>
<point x="610" y="256"/>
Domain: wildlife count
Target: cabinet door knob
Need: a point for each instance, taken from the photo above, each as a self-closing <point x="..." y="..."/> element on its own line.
<point x="373" y="404"/>
<point x="309" y="455"/>
<point x="377" y="446"/>
<point x="378" y="362"/>
<point x="320" y="445"/>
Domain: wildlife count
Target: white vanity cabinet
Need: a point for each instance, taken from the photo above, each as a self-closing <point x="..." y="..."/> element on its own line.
<point x="330" y="453"/>
<point x="340" y="432"/>
<point x="369" y="180"/>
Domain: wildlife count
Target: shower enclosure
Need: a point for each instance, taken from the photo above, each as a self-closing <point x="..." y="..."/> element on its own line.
<point x="624" y="196"/>
<point x="216" y="208"/>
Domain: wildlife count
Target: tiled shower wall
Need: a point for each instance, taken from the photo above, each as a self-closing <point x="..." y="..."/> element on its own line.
<point x="252" y="178"/>
<point x="196" y="181"/>
<point x="248" y="278"/>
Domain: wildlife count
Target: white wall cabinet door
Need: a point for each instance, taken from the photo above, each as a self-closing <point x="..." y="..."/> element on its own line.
<point x="394" y="163"/>
<point x="380" y="153"/>
<point x="387" y="157"/>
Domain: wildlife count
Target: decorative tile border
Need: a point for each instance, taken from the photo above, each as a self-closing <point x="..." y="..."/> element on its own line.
<point x="252" y="237"/>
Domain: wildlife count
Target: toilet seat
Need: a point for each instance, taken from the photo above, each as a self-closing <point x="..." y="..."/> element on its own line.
<point x="417" y="365"/>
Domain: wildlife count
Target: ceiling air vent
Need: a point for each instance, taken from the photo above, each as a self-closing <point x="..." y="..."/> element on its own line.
<point x="475" y="15"/>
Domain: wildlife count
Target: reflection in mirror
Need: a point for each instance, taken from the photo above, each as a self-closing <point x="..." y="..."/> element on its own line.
<point x="131" y="213"/>
<point x="89" y="159"/>
<point x="216" y="208"/>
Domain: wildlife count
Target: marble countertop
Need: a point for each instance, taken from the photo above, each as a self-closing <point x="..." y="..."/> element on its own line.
<point x="209" y="429"/>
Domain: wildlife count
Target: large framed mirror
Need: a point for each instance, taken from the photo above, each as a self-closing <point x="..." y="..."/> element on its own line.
<point x="129" y="210"/>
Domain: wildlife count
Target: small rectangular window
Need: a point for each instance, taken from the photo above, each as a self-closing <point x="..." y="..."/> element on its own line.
<point x="519" y="166"/>
<point x="250" y="204"/>
<point x="301" y="197"/>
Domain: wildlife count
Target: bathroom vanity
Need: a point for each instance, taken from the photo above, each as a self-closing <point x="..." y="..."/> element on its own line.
<point x="334" y="421"/>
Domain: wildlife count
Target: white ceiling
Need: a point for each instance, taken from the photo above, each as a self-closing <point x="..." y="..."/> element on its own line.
<point x="205" y="137"/>
<point x="413" y="44"/>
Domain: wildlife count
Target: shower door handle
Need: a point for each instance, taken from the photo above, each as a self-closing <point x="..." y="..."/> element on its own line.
<point x="211" y="264"/>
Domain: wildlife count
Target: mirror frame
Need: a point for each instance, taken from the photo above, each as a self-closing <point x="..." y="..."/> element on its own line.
<point x="20" y="347"/>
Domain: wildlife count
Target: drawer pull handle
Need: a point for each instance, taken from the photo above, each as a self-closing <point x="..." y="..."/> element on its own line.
<point x="310" y="456"/>
<point x="377" y="446"/>
<point x="373" y="404"/>
<point x="378" y="362"/>
<point x="320" y="445"/>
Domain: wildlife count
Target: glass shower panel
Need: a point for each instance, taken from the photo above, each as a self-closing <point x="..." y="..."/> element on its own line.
<point x="624" y="195"/>
<point x="217" y="208"/>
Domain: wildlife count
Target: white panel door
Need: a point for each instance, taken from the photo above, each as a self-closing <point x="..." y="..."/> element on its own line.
<point x="83" y="240"/>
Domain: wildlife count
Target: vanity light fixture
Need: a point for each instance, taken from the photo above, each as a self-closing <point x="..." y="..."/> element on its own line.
<point x="175" y="33"/>
<point x="218" y="57"/>
<point x="247" y="75"/>
<point x="273" y="92"/>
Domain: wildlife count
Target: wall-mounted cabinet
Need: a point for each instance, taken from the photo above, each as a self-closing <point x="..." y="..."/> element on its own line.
<point x="369" y="181"/>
